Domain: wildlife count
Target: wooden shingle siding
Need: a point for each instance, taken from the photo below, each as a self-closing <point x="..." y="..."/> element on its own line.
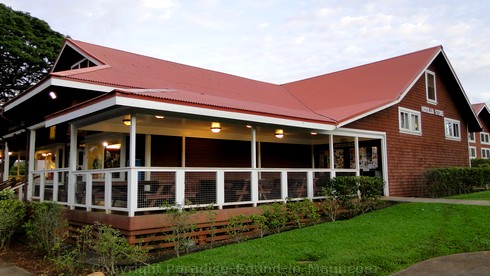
<point x="410" y="155"/>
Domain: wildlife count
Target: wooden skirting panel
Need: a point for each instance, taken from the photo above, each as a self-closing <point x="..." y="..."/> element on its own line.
<point x="153" y="230"/>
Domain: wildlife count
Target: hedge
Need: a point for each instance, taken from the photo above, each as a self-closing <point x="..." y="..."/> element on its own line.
<point x="445" y="182"/>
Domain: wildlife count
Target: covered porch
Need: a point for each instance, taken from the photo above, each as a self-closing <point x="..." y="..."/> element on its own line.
<point x="133" y="163"/>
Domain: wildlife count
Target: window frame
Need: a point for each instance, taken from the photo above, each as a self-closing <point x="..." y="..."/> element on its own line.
<point x="451" y="136"/>
<point x="433" y="74"/>
<point x="470" y="134"/>
<point x="410" y="129"/>
<point x="483" y="140"/>
<point x="472" y="149"/>
<point x="485" y="153"/>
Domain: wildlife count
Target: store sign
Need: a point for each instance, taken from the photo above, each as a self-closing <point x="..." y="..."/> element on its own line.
<point x="431" y="110"/>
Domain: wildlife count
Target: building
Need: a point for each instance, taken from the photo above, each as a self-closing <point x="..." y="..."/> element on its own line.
<point x="113" y="131"/>
<point x="479" y="142"/>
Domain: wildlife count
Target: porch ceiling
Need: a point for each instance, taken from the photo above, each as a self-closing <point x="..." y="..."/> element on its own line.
<point x="195" y="127"/>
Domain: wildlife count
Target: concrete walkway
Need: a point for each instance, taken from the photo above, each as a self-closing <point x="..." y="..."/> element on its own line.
<point x="12" y="270"/>
<point x="465" y="264"/>
<point x="438" y="200"/>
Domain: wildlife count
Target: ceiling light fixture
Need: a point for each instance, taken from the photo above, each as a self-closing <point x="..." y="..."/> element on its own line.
<point x="279" y="133"/>
<point x="215" y="127"/>
<point x="127" y="122"/>
<point x="53" y="95"/>
<point x="159" y="116"/>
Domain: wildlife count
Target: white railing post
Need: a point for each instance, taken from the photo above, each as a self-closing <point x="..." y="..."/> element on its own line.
<point x="41" y="186"/>
<point x="180" y="187"/>
<point x="32" y="150"/>
<point x="108" y="192"/>
<point x="72" y="167"/>
<point x="55" y="186"/>
<point x="132" y="191"/>
<point x="254" y="187"/>
<point x="88" y="192"/>
<point x="220" y="188"/>
<point x="309" y="183"/>
<point x="284" y="185"/>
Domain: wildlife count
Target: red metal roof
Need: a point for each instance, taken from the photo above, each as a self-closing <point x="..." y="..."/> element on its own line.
<point x="332" y="98"/>
<point x="168" y="80"/>
<point x="349" y="93"/>
<point x="478" y="107"/>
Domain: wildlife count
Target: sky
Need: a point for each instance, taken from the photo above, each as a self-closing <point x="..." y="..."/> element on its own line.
<point x="280" y="41"/>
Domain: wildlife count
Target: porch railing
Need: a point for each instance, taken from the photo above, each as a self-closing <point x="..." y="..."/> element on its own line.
<point x="142" y="189"/>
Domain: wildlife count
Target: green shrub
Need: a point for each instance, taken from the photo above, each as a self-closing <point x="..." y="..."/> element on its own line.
<point x="260" y="222"/>
<point x="12" y="214"/>
<point x="6" y="194"/>
<point x="46" y="227"/>
<point x="182" y="227"/>
<point x="445" y="182"/>
<point x="276" y="215"/>
<point x="329" y="205"/>
<point x="236" y="228"/>
<point x="480" y="162"/>
<point x="301" y="210"/>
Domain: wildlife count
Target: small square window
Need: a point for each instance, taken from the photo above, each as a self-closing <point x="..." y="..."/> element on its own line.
<point x="430" y="86"/>
<point x="485" y="153"/>
<point x="409" y="121"/>
<point x="452" y="129"/>
<point x="471" y="137"/>
<point x="484" y="138"/>
<point x="472" y="151"/>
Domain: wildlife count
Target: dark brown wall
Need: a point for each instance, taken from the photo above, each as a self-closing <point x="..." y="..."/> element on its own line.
<point x="285" y="155"/>
<point x="166" y="151"/>
<point x="202" y="152"/>
<point x="410" y="155"/>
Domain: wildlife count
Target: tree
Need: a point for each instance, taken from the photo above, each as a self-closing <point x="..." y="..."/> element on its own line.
<point x="28" y="49"/>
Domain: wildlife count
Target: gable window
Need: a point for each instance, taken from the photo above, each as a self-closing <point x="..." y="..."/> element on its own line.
<point x="484" y="138"/>
<point x="471" y="137"/>
<point x="485" y="153"/>
<point x="452" y="128"/>
<point x="409" y="121"/>
<point x="430" y="86"/>
<point x="472" y="151"/>
<point x="84" y="63"/>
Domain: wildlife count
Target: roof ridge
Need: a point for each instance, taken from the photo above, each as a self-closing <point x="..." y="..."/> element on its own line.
<point x="368" y="64"/>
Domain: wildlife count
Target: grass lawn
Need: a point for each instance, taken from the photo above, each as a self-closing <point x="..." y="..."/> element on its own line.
<point x="474" y="196"/>
<point x="376" y="243"/>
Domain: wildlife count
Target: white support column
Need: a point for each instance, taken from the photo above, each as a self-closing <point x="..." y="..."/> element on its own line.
<point x="183" y="152"/>
<point x="356" y="154"/>
<point x="284" y="185"/>
<point x="133" y="171"/>
<point x="73" y="166"/>
<point x="220" y="188"/>
<point x="147" y="155"/>
<point x="331" y="156"/>
<point x="6" y="161"/>
<point x="254" y="178"/>
<point x="253" y="148"/>
<point x="32" y="150"/>
<point x="384" y="158"/>
<point x="180" y="187"/>
<point x="309" y="183"/>
<point x="107" y="192"/>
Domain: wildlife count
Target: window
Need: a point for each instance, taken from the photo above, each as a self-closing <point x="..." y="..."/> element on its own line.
<point x="484" y="138"/>
<point x="485" y="153"/>
<point x="84" y="63"/>
<point x="430" y="86"/>
<point x="471" y="137"/>
<point x="453" y="131"/>
<point x="409" y="121"/>
<point x="472" y="152"/>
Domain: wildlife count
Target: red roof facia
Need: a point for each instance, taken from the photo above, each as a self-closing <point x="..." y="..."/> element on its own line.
<point x="331" y="98"/>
